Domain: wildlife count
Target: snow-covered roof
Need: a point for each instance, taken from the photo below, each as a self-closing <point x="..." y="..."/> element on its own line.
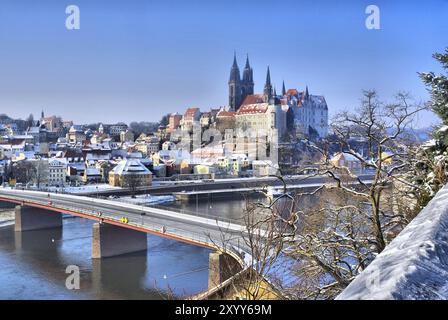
<point x="91" y="171"/>
<point x="77" y="165"/>
<point x="346" y="156"/>
<point x="57" y="162"/>
<point x="130" y="166"/>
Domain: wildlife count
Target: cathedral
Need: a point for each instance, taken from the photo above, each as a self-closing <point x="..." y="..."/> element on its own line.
<point x="239" y="88"/>
<point x="310" y="112"/>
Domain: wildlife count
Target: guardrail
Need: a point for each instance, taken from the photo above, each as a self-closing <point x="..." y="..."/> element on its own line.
<point x="197" y="214"/>
<point x="140" y="222"/>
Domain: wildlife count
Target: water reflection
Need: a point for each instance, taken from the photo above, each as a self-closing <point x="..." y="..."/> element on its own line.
<point x="34" y="263"/>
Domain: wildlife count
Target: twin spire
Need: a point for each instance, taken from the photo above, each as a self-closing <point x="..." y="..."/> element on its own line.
<point x="241" y="87"/>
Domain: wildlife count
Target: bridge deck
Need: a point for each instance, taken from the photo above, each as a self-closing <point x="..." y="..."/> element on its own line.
<point x="187" y="228"/>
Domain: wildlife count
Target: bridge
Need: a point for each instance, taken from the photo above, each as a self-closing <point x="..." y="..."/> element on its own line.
<point x="122" y="228"/>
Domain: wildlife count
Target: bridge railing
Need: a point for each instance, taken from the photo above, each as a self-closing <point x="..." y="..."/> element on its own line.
<point x="197" y="214"/>
<point x="133" y="219"/>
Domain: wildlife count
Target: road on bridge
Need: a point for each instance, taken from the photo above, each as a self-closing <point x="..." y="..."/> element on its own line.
<point x="188" y="228"/>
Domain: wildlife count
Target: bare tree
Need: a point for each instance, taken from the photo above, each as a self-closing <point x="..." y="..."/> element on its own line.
<point x="355" y="219"/>
<point x="269" y="227"/>
<point x="332" y="233"/>
<point x="133" y="181"/>
<point x="40" y="172"/>
<point x="23" y="171"/>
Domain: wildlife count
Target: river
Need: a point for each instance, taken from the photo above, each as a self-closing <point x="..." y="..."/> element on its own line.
<point x="33" y="265"/>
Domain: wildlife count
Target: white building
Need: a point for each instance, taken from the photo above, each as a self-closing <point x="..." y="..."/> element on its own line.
<point x="310" y="111"/>
<point x="56" y="172"/>
<point x="116" y="129"/>
<point x="190" y="118"/>
<point x="263" y="119"/>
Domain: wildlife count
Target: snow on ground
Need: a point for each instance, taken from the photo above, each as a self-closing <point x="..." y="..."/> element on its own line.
<point x="145" y="199"/>
<point x="85" y="188"/>
<point x="414" y="265"/>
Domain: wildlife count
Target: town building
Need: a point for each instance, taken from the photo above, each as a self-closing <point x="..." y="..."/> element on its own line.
<point x="39" y="133"/>
<point x="190" y="118"/>
<point x="130" y="173"/>
<point x="174" y="121"/>
<point x="310" y="112"/>
<point x="57" y="171"/>
<point x="53" y="124"/>
<point x="127" y="136"/>
<point x="76" y="134"/>
<point x="225" y="120"/>
<point x="116" y="129"/>
<point x="92" y="175"/>
<point x="261" y="117"/>
<point x="342" y="159"/>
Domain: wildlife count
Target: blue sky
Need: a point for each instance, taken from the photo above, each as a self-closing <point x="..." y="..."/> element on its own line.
<point x="137" y="60"/>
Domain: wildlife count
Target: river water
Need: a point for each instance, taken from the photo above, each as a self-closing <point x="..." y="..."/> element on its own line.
<point x="33" y="264"/>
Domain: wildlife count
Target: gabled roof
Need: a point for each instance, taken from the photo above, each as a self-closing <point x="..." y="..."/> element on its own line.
<point x="130" y="166"/>
<point x="253" y="108"/>
<point x="76" y="128"/>
<point x="224" y="113"/>
<point x="292" y="92"/>
<point x="254" y="98"/>
<point x="191" y="112"/>
<point x="57" y="162"/>
<point x="344" y="156"/>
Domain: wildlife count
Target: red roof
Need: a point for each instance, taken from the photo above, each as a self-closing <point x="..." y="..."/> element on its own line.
<point x="254" y="98"/>
<point x="190" y="112"/>
<point x="253" y="108"/>
<point x="292" y="92"/>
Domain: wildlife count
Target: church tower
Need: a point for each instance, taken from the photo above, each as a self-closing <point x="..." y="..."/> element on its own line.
<point x="234" y="86"/>
<point x="247" y="86"/>
<point x="268" y="86"/>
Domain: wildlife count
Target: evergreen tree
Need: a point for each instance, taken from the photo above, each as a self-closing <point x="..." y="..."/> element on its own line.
<point x="438" y="87"/>
<point x="430" y="174"/>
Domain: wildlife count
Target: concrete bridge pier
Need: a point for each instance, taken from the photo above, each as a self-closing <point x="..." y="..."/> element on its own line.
<point x="30" y="218"/>
<point x="109" y="240"/>
<point x="221" y="267"/>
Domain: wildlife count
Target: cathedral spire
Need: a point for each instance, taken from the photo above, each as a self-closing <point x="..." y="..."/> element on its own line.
<point x="235" y="64"/>
<point x="268" y="77"/>
<point x="306" y="93"/>
<point x="268" y="85"/>
<point x="234" y="71"/>
<point x="247" y="83"/>
<point x="235" y="97"/>
<point x="283" y="88"/>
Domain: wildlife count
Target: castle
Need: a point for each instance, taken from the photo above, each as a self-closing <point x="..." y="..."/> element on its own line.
<point x="309" y="112"/>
